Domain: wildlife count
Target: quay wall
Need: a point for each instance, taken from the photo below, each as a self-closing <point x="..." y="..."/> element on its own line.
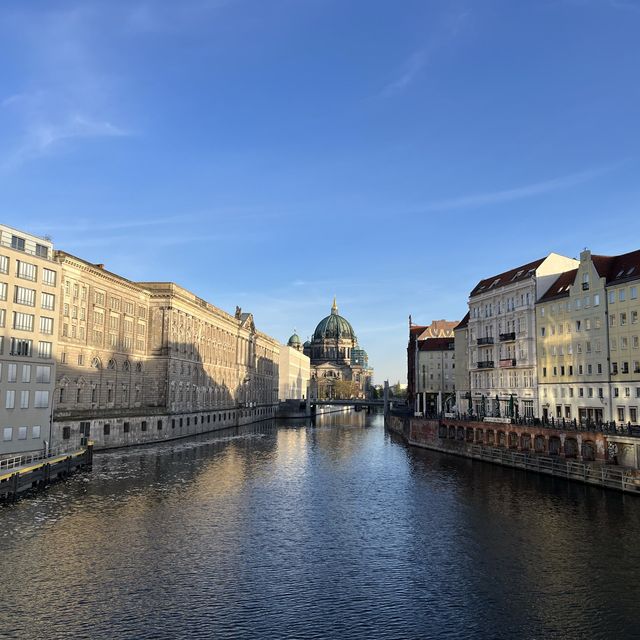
<point x="123" y="429"/>
<point x="572" y="455"/>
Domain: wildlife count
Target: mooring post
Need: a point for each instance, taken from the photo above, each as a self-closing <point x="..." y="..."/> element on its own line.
<point x="307" y="407"/>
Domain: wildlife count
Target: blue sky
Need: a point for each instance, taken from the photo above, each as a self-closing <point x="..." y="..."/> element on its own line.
<point x="274" y="153"/>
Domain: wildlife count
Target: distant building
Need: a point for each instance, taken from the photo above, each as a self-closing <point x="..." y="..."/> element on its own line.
<point x="295" y="371"/>
<point x="438" y="329"/>
<point x="335" y="355"/>
<point x="435" y="388"/>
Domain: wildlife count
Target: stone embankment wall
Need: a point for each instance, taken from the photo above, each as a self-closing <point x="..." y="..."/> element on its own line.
<point x="572" y="455"/>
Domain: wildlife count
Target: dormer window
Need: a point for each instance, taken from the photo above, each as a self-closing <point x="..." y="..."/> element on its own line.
<point x="17" y="243"/>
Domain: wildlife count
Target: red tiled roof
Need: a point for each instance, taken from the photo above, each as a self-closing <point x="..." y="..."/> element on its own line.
<point x="560" y="288"/>
<point x="436" y="344"/>
<point x="503" y="279"/>
<point x="618" y="268"/>
<point x="416" y="329"/>
<point x="463" y="324"/>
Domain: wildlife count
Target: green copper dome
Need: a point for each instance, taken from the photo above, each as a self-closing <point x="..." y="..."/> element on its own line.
<point x="334" y="327"/>
<point x="294" y="340"/>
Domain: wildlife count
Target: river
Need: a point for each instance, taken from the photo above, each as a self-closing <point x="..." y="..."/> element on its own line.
<point x="333" y="531"/>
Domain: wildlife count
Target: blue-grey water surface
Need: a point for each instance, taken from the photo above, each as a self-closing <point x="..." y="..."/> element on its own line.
<point x="333" y="531"/>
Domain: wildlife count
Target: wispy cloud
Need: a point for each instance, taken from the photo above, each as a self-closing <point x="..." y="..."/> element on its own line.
<point x="414" y="65"/>
<point x="411" y="68"/>
<point x="65" y="94"/>
<point x="517" y="193"/>
<point x="42" y="136"/>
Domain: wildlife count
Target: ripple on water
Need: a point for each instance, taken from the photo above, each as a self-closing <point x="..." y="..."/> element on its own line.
<point x="327" y="532"/>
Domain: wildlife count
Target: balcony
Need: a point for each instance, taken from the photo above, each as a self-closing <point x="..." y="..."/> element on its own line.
<point x="508" y="337"/>
<point x="508" y="362"/>
<point x="485" y="364"/>
<point x="485" y="341"/>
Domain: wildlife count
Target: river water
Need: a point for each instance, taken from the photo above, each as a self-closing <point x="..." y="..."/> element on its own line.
<point x="332" y="531"/>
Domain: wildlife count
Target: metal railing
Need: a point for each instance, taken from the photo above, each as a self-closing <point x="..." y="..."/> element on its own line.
<point x="485" y="364"/>
<point x="508" y="337"/>
<point x="26" y="459"/>
<point x="484" y="341"/>
<point x="508" y="362"/>
<point x="612" y="428"/>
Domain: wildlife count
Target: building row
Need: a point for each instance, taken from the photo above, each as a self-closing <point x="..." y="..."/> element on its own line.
<point x="88" y="354"/>
<point x="555" y="338"/>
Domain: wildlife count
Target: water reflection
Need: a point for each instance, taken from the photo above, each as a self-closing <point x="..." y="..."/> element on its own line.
<point x="333" y="530"/>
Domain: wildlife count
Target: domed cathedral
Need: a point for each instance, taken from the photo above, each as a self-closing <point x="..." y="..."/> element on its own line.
<point x="336" y="359"/>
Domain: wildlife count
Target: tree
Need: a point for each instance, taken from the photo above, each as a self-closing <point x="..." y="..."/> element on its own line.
<point x="345" y="389"/>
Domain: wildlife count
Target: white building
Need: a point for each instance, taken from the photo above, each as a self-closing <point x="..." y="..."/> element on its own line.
<point x="295" y="371"/>
<point x="502" y="336"/>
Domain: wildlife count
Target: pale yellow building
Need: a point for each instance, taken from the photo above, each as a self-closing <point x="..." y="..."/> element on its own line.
<point x="29" y="303"/>
<point x="461" y="378"/>
<point x="589" y="341"/>
<point x="141" y="362"/>
<point x="295" y="371"/>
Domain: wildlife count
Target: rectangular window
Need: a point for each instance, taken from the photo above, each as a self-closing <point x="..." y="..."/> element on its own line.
<point x="46" y="325"/>
<point x="623" y="319"/>
<point x="12" y="372"/>
<point x="633" y="293"/>
<point x="23" y="321"/>
<point x="4" y="264"/>
<point x="66" y="433"/>
<point x="7" y="434"/>
<point x="26" y="270"/>
<point x="35" y="431"/>
<point x="49" y="277"/>
<point x="48" y="301"/>
<point x="621" y="295"/>
<point x="10" y="400"/>
<point x="621" y="414"/>
<point x="596" y="299"/>
<point x="25" y="296"/>
<point x="24" y="399"/>
<point x="44" y="349"/>
<point x="612" y="297"/>
<point x="3" y="317"/>
<point x="43" y="374"/>
<point x="41" y="399"/>
<point x="3" y="291"/>
<point x="20" y="347"/>
<point x="22" y="433"/>
<point x="126" y="427"/>
<point x="143" y="425"/>
<point x="159" y="425"/>
<point x="17" y="243"/>
<point x="42" y="251"/>
<point x="26" y="373"/>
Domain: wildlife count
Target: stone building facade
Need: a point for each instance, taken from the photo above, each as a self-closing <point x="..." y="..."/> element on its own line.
<point x="335" y="355"/>
<point x="29" y="304"/>
<point x="142" y="362"/>
<point x="295" y="371"/>
<point x="418" y="334"/>
<point x="461" y="348"/>
<point x="502" y="336"/>
<point x="435" y="388"/>
<point x="588" y="341"/>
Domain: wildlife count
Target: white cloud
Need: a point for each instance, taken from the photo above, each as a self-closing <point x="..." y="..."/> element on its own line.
<point x="517" y="193"/>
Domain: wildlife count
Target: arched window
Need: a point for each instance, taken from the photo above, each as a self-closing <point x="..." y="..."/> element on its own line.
<point x="112" y="364"/>
<point x="126" y="366"/>
<point x="96" y="364"/>
<point x="139" y="367"/>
